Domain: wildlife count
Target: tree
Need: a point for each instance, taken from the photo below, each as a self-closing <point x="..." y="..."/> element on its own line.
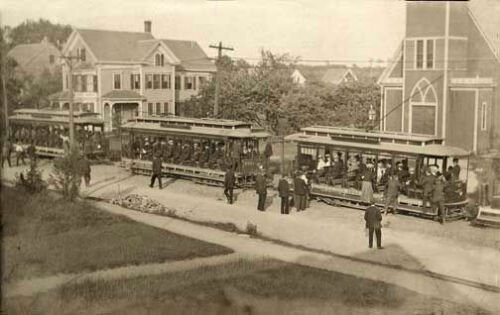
<point x="249" y="93"/>
<point x="31" y="31"/>
<point x="12" y="83"/>
<point x="351" y="103"/>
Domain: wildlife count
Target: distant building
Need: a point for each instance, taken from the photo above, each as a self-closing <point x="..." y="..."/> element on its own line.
<point x="298" y="77"/>
<point x="445" y="77"/>
<point x="132" y="73"/>
<point x="329" y="75"/>
<point x="34" y="59"/>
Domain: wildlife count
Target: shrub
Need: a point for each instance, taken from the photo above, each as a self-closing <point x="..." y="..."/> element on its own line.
<point x="252" y="229"/>
<point x="67" y="174"/>
<point x="32" y="181"/>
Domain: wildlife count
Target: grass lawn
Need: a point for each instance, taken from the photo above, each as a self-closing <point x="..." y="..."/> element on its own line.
<point x="44" y="235"/>
<point x="241" y="287"/>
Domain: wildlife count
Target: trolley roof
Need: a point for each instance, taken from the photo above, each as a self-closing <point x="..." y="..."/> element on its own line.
<point x="198" y="122"/>
<point x="164" y="128"/>
<point x="48" y="116"/>
<point x="434" y="150"/>
<point x="370" y="136"/>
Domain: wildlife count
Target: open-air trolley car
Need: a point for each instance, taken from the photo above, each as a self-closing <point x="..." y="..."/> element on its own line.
<point x="195" y="149"/>
<point x="49" y="129"/>
<point x="335" y="158"/>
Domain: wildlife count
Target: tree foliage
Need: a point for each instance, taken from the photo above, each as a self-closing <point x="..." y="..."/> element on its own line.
<point x="265" y="94"/>
<point x="31" y="31"/>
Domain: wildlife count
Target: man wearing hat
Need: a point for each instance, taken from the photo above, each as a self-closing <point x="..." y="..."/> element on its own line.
<point x="438" y="198"/>
<point x="229" y="181"/>
<point x="373" y="219"/>
<point x="261" y="190"/>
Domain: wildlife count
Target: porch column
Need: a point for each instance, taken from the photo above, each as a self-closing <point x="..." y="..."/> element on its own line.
<point x="171" y="107"/>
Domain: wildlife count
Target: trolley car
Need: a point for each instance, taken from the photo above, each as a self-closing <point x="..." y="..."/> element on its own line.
<point x="48" y="129"/>
<point x="335" y="157"/>
<point x="196" y="149"/>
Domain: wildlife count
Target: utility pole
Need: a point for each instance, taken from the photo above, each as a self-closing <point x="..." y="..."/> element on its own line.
<point x="69" y="61"/>
<point x="4" y="77"/>
<point x="220" y="48"/>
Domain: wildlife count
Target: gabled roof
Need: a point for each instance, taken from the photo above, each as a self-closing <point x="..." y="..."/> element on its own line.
<point x="23" y="54"/>
<point x="336" y="75"/>
<point x="486" y="13"/>
<point x="115" y="45"/>
<point x="190" y="54"/>
<point x="118" y="46"/>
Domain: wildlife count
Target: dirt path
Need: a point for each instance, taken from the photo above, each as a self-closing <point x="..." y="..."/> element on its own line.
<point x="424" y="282"/>
<point x="38" y="285"/>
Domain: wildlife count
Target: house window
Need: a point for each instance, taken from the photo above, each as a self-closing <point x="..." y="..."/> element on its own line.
<point x="117" y="81"/>
<point x="83" y="83"/>
<point x="177" y="82"/>
<point x="77" y="83"/>
<point x="158" y="108"/>
<point x="159" y="60"/>
<point x="90" y="83"/>
<point x="165" y="81"/>
<point x="156" y="81"/>
<point x="424" y="51"/>
<point x="149" y="81"/>
<point x="150" y="108"/>
<point x="135" y="81"/>
<point x="51" y="59"/>
<point x="420" y="54"/>
<point x="66" y="79"/>
<point x="95" y="83"/>
<point x="430" y="54"/>
<point x="484" y="115"/>
<point x="165" y="107"/>
<point x="83" y="55"/>
<point x="189" y="83"/>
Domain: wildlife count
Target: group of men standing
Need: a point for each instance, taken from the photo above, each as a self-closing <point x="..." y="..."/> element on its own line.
<point x="20" y="151"/>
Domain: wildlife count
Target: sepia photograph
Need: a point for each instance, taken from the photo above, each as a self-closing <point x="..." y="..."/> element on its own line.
<point x="250" y="157"/>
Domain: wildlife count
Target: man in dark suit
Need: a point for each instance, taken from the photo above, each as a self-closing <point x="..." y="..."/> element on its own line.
<point x="427" y="183"/>
<point x="156" y="171"/>
<point x="438" y="199"/>
<point x="373" y="219"/>
<point x="299" y="187"/>
<point x="284" y="192"/>
<point x="261" y="189"/>
<point x="229" y="180"/>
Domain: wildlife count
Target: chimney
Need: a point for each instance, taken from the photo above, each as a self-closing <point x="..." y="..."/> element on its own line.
<point x="147" y="26"/>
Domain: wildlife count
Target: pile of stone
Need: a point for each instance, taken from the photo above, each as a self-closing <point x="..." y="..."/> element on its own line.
<point x="139" y="203"/>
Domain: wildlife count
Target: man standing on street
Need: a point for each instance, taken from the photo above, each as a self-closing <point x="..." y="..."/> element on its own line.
<point x="261" y="189"/>
<point x="86" y="170"/>
<point x="438" y="199"/>
<point x="229" y="180"/>
<point x="19" y="153"/>
<point x="284" y="192"/>
<point x="299" y="187"/>
<point x="391" y="194"/>
<point x="373" y="219"/>
<point x="156" y="171"/>
<point x="6" y="152"/>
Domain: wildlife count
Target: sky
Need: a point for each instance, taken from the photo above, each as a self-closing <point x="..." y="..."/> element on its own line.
<point x="342" y="31"/>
